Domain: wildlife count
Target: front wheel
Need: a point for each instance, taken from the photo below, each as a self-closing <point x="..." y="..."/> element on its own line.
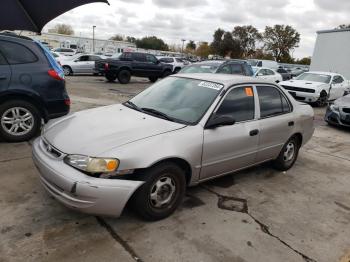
<point x="166" y="73"/>
<point x="67" y="71"/>
<point x="153" y="79"/>
<point x="288" y="154"/>
<point x="323" y="99"/>
<point x="162" y="192"/>
<point x="19" y="121"/>
<point x="124" y="76"/>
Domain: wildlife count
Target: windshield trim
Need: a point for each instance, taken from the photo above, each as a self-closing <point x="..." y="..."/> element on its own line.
<point x="179" y="121"/>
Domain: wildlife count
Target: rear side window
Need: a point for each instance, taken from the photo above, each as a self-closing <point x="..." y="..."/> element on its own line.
<point x="272" y="101"/>
<point x="151" y="58"/>
<point x="224" y="70"/>
<point x="17" y="53"/>
<point x="239" y="104"/>
<point x="138" y="57"/>
<point x="166" y="60"/>
<point x="2" y="60"/>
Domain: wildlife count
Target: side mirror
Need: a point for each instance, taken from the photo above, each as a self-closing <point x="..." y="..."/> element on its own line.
<point x="216" y="121"/>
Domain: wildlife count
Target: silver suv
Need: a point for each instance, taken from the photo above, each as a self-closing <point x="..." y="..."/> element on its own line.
<point x="179" y="132"/>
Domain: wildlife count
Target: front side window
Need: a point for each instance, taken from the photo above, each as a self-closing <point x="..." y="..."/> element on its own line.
<point x="83" y="58"/>
<point x="239" y="104"/>
<point x="236" y="69"/>
<point x="338" y="80"/>
<point x="183" y="99"/>
<point x="16" y="53"/>
<point x="224" y="70"/>
<point x="272" y="101"/>
<point x="151" y="59"/>
<point x="269" y="72"/>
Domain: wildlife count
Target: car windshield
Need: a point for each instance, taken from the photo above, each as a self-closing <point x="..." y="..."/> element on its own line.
<point x="200" y="68"/>
<point x="181" y="100"/>
<point x="326" y="79"/>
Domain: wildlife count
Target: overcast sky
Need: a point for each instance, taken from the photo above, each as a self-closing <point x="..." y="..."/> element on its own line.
<point x="197" y="20"/>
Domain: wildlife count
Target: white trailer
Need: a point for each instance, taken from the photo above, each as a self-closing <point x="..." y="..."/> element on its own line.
<point x="332" y="52"/>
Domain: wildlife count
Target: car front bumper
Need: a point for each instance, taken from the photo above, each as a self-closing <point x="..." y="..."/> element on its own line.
<point x="305" y="97"/>
<point x="78" y="191"/>
<point x="337" y="117"/>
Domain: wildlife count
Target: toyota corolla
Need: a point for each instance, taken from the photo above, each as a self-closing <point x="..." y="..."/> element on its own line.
<point x="179" y="132"/>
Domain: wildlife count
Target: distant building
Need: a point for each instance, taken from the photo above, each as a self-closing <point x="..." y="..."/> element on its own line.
<point x="332" y="52"/>
<point x="83" y="44"/>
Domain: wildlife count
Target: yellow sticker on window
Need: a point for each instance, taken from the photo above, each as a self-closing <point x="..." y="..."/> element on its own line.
<point x="249" y="91"/>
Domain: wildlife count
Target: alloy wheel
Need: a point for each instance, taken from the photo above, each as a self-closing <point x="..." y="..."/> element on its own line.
<point x="162" y="192"/>
<point x="17" y="121"/>
<point x="289" y="152"/>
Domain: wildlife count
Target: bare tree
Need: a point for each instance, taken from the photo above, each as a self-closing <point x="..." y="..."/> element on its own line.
<point x="63" y="29"/>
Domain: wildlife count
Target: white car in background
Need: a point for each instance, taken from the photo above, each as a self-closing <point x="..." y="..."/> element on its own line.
<point x="177" y="63"/>
<point x="317" y="87"/>
<point x="65" y="51"/>
<point x="58" y="57"/>
<point x="80" y="64"/>
<point x="263" y="63"/>
<point x="267" y="74"/>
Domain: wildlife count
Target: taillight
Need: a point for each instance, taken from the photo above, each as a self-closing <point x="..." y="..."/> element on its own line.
<point x="67" y="102"/>
<point x="55" y="75"/>
<point x="106" y="66"/>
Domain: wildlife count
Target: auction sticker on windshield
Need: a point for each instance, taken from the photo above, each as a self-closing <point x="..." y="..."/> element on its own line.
<point x="210" y="85"/>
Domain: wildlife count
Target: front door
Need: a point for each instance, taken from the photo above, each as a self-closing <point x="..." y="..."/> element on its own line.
<point x="337" y="88"/>
<point x="229" y="148"/>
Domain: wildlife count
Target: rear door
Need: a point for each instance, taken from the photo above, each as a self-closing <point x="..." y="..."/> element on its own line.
<point x="276" y="121"/>
<point x="81" y="64"/>
<point x="154" y="67"/>
<point x="229" y="148"/>
<point x="5" y="73"/>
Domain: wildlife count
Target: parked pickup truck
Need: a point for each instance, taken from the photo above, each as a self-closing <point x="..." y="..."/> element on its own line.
<point x="133" y="64"/>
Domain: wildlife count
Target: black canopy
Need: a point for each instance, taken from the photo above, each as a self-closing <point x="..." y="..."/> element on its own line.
<point x="33" y="15"/>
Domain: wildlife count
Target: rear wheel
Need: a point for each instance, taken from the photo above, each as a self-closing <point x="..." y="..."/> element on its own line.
<point x="288" y="154"/>
<point x="19" y="121"/>
<point x="162" y="192"/>
<point x="124" y="76"/>
<point x="153" y="79"/>
<point x="111" y="77"/>
<point x="67" y="71"/>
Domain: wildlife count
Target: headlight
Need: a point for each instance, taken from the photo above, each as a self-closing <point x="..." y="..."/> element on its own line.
<point x="334" y="107"/>
<point x="92" y="164"/>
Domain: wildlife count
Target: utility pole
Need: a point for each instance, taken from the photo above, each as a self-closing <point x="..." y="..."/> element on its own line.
<point x="183" y="42"/>
<point x="93" y="38"/>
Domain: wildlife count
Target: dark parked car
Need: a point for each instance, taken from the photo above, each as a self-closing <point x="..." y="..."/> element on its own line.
<point x="235" y="67"/>
<point x="133" y="64"/>
<point x="32" y="88"/>
<point x="284" y="73"/>
<point x="338" y="113"/>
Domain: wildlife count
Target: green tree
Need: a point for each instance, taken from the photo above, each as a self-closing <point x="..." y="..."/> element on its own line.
<point x="191" y="45"/>
<point x="216" y="45"/>
<point x="151" y="42"/>
<point x="131" y="39"/>
<point x="63" y="29"/>
<point x="280" y="40"/>
<point x="247" y="36"/>
<point x="203" y="50"/>
<point x="304" y="61"/>
<point x="117" y="38"/>
<point x="230" y="46"/>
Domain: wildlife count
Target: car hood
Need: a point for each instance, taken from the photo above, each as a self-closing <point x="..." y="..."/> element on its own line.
<point x="92" y="132"/>
<point x="304" y="84"/>
<point x="343" y="101"/>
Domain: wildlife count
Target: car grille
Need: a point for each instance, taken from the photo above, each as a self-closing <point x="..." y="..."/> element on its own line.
<point x="51" y="150"/>
<point x="346" y="110"/>
<point x="305" y="90"/>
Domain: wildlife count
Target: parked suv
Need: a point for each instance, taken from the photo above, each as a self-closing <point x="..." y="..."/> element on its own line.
<point x="133" y="64"/>
<point x="32" y="88"/>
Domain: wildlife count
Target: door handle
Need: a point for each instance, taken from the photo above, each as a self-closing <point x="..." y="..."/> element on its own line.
<point x="254" y="132"/>
<point x="2" y="77"/>
<point x="291" y="123"/>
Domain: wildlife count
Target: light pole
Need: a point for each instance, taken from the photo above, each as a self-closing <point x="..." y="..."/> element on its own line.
<point x="183" y="42"/>
<point x="93" y="38"/>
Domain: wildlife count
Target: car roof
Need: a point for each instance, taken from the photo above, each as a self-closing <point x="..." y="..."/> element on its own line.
<point x="226" y="79"/>
<point x="12" y="36"/>
<point x="323" y="73"/>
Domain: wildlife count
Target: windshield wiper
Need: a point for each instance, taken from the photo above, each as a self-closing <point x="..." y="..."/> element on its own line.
<point x="158" y="113"/>
<point x="132" y="105"/>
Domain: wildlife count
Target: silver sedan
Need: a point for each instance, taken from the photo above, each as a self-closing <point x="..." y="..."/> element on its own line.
<point x="79" y="64"/>
<point x="179" y="132"/>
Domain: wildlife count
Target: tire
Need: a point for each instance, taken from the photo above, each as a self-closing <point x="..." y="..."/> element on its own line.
<point x="287" y="158"/>
<point x="67" y="71"/>
<point x="111" y="77"/>
<point x="177" y="69"/>
<point x="166" y="73"/>
<point x="323" y="99"/>
<point x="124" y="77"/>
<point x="153" y="79"/>
<point x="161" y="180"/>
<point x="19" y="121"/>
